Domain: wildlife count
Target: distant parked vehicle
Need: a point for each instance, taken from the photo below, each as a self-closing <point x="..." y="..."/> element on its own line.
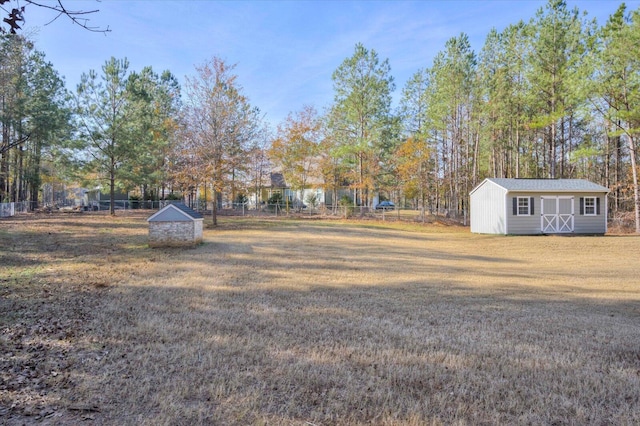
<point x="385" y="205"/>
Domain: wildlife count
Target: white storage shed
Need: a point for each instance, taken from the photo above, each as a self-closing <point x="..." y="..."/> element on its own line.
<point x="538" y="206"/>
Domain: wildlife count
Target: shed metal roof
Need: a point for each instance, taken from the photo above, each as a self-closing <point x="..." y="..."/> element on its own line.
<point x="164" y="214"/>
<point x="548" y="185"/>
<point x="194" y="214"/>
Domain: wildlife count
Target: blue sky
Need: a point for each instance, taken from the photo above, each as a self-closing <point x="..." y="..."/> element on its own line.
<point x="285" y="51"/>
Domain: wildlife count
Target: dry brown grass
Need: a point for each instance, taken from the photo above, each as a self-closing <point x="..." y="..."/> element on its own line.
<point x="298" y="323"/>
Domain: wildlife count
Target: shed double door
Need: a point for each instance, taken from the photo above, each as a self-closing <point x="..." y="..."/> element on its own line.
<point x="556" y="214"/>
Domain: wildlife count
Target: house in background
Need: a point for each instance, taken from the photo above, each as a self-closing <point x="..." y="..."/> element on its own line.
<point x="278" y="184"/>
<point x="538" y="206"/>
<point x="96" y="199"/>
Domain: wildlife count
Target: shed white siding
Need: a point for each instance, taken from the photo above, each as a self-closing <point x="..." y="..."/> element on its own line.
<point x="488" y="209"/>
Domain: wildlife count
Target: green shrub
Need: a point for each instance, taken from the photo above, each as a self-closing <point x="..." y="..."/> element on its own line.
<point x="312" y="200"/>
<point x="173" y="197"/>
<point x="348" y="205"/>
<point x="275" y="201"/>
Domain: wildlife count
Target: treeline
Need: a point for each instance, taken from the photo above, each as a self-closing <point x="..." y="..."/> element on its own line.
<point x="115" y="130"/>
<point x="34" y="117"/>
<point x="555" y="97"/>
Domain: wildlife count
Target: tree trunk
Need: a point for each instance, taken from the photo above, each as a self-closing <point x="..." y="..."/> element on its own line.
<point x="358" y="202"/>
<point x="618" y="169"/>
<point x="112" y="188"/>
<point x="214" y="208"/>
<point x="634" y="173"/>
<point x="517" y="152"/>
<point x="34" y="184"/>
<point x="552" y="152"/>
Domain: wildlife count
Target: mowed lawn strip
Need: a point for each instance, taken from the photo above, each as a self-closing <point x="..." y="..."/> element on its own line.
<point x="320" y="322"/>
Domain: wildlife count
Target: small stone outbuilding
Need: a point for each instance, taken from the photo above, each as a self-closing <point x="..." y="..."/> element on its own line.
<point x="175" y="225"/>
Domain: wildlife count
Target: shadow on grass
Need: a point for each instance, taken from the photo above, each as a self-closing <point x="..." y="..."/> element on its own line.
<point x="227" y="333"/>
<point x="353" y="355"/>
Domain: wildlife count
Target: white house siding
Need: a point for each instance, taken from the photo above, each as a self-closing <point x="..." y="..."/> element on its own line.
<point x="303" y="195"/>
<point x="488" y="209"/>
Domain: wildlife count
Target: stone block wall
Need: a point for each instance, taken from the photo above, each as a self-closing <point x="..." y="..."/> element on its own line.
<point x="197" y="231"/>
<point x="173" y="234"/>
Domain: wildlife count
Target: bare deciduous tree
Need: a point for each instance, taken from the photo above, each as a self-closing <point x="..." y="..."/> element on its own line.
<point x="15" y="15"/>
<point x="219" y="125"/>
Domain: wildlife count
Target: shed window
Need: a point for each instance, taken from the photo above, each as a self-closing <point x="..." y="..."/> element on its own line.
<point x="524" y="207"/>
<point x="590" y="206"/>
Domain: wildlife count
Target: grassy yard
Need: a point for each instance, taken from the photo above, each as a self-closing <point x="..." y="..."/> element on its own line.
<point x="315" y="323"/>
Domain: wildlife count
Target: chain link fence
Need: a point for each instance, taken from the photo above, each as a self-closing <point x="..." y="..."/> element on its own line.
<point x="265" y="210"/>
<point x="339" y="212"/>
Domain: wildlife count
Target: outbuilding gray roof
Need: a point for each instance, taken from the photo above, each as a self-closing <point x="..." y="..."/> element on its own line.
<point x="194" y="214"/>
<point x="548" y="185"/>
<point x="175" y="212"/>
